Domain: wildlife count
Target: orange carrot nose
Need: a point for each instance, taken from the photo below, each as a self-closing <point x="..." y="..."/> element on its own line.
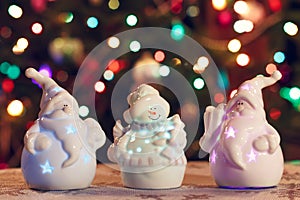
<point x="151" y="112"/>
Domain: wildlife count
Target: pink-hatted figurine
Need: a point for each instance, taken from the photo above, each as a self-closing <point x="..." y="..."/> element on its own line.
<point x="59" y="149"/>
<point x="150" y="151"/>
<point x="244" y="148"/>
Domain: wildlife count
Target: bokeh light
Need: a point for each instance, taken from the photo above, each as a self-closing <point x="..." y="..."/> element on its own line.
<point x="13" y="72"/>
<point x="4" y="67"/>
<point x="203" y="62"/>
<point x="234" y="45"/>
<point x="225" y="17"/>
<point x="242" y="59"/>
<point x="83" y="111"/>
<point x="199" y="83"/>
<point x="279" y="57"/>
<point x="99" y="86"/>
<point x="15" y="11"/>
<point x="219" y="4"/>
<point x="241" y="7"/>
<point x="113" y="4"/>
<point x="295" y="93"/>
<point x="8" y="85"/>
<point x="131" y="20"/>
<point x="219" y="97"/>
<point x="290" y="28"/>
<point x="134" y="46"/>
<point x="270" y="68"/>
<point x="22" y="43"/>
<point x="5" y="32"/>
<point x="232" y="93"/>
<point x="69" y="17"/>
<point x="15" y="108"/>
<point x="164" y="71"/>
<point x="45" y="70"/>
<point x="192" y="11"/>
<point x="159" y="56"/>
<point x="92" y="22"/>
<point x="62" y="76"/>
<point x="17" y="50"/>
<point x="242" y="26"/>
<point x="108" y="75"/>
<point x="275" y="113"/>
<point x="177" y="32"/>
<point x="113" y="42"/>
<point x="37" y="28"/>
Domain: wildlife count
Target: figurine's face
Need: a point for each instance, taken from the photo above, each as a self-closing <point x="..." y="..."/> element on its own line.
<point x="242" y="108"/>
<point x="151" y="114"/>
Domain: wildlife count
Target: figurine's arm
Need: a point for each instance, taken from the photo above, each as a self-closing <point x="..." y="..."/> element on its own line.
<point x="268" y="142"/>
<point x="213" y="122"/>
<point x="95" y="135"/>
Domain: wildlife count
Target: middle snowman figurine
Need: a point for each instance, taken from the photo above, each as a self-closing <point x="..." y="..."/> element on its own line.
<point x="150" y="150"/>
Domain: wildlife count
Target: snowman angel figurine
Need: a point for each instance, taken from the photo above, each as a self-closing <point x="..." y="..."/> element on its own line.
<point x="244" y="148"/>
<point x="149" y="150"/>
<point x="59" y="149"/>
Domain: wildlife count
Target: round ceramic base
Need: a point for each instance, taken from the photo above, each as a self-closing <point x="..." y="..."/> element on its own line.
<point x="165" y="178"/>
<point x="245" y="188"/>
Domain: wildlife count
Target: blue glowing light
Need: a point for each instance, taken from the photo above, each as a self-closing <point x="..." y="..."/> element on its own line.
<point x="279" y="57"/>
<point x="87" y="158"/>
<point x="177" y="32"/>
<point x="70" y="129"/>
<point x="47" y="168"/>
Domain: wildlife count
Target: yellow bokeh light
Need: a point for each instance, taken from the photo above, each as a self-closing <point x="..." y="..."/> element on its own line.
<point x="234" y="45"/>
<point x="15" y="11"/>
<point x="15" y="108"/>
<point x="17" y="50"/>
<point x="243" y="25"/>
<point x="219" y="4"/>
<point x="113" y="4"/>
<point x="243" y="59"/>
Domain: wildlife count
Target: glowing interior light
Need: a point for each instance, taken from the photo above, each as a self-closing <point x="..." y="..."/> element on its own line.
<point x="15" y="108"/>
<point x="294" y="93"/>
<point x="100" y="86"/>
<point x="233" y="92"/>
<point x="213" y="157"/>
<point x="243" y="25"/>
<point x="92" y="22"/>
<point x="131" y="20"/>
<point x="47" y="168"/>
<point x="15" y="11"/>
<point x="69" y="17"/>
<point x="219" y="4"/>
<point x="159" y="56"/>
<point x="113" y="4"/>
<point x="251" y="156"/>
<point x="37" y="28"/>
<point x="203" y="62"/>
<point x="198" y="83"/>
<point x="192" y="11"/>
<point x="22" y="43"/>
<point x="270" y="68"/>
<point x="164" y="70"/>
<point x="230" y="133"/>
<point x="108" y="75"/>
<point x="243" y="59"/>
<point x="279" y="57"/>
<point x="241" y="7"/>
<point x="135" y="46"/>
<point x="177" y="32"/>
<point x="290" y="28"/>
<point x="234" y="45"/>
<point x="83" y="111"/>
<point x="113" y="42"/>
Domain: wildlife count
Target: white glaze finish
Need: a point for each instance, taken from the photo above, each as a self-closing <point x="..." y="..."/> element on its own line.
<point x="59" y="149"/>
<point x="151" y="147"/>
<point x="244" y="148"/>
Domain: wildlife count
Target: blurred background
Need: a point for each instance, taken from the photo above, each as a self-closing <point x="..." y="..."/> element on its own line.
<point x="244" y="38"/>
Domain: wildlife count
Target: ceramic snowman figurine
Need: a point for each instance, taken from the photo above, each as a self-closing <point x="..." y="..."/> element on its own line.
<point x="150" y="150"/>
<point x="59" y="149"/>
<point x="244" y="148"/>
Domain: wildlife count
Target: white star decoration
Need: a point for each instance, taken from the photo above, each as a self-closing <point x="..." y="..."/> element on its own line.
<point x="70" y="129"/>
<point x="251" y="156"/>
<point x="213" y="157"/>
<point x="47" y="168"/>
<point x="230" y="132"/>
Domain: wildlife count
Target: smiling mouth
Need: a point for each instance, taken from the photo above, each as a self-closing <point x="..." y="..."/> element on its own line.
<point x="154" y="118"/>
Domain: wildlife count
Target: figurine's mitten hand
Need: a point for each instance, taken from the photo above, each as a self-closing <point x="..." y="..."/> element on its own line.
<point x="35" y="141"/>
<point x="118" y="129"/>
<point x="276" y="75"/>
<point x="111" y="155"/>
<point x="96" y="136"/>
<point x="273" y="142"/>
<point x="261" y="144"/>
